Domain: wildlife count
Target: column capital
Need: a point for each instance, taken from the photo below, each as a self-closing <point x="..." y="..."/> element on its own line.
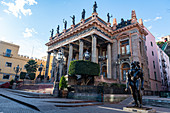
<point x="71" y="44"/>
<point x="49" y="53"/>
<point x="81" y="40"/>
<point x="94" y="35"/>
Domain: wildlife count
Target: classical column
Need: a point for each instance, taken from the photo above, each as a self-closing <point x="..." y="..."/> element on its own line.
<point x="115" y="59"/>
<point x="61" y="64"/>
<point x="54" y="64"/>
<point x="80" y="49"/>
<point x="70" y="56"/>
<point x="109" y="60"/>
<point x="93" y="48"/>
<point x="47" y="64"/>
<point x="97" y="55"/>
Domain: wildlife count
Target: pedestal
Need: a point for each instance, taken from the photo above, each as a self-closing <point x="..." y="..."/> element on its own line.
<point x="14" y="85"/>
<point x="139" y="110"/>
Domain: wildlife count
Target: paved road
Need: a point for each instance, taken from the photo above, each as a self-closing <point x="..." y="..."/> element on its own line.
<point x="10" y="106"/>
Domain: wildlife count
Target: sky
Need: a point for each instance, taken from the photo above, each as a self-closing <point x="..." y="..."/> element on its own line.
<point x="27" y="23"/>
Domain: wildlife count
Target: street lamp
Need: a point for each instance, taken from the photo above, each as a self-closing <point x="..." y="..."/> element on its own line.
<point x="87" y="55"/>
<point x="117" y="69"/>
<point x="17" y="70"/>
<point x="59" y="60"/>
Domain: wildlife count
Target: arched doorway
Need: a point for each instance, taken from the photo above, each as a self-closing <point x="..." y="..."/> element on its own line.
<point x="104" y="71"/>
<point x="125" y="68"/>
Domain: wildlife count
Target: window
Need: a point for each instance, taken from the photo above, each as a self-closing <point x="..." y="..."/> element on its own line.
<point x="8" y="64"/>
<point x="152" y="53"/>
<point x="148" y="73"/>
<point x="151" y="44"/>
<point x="154" y="64"/>
<point x="155" y="76"/>
<point x="125" y="69"/>
<point x="8" y="53"/>
<point x="124" y="47"/>
<point x="6" y="76"/>
<point x="140" y="46"/>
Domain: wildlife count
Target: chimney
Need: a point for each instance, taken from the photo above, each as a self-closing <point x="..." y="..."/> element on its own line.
<point x="140" y="22"/>
<point x="114" y="23"/>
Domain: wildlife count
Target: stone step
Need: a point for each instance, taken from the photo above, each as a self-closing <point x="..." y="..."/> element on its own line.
<point x="78" y="104"/>
<point x="28" y="93"/>
<point x="76" y="101"/>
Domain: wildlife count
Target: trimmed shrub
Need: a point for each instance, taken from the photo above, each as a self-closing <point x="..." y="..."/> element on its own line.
<point x="22" y="75"/>
<point x="62" y="83"/>
<point x="11" y="82"/>
<point x="81" y="67"/>
<point x="32" y="76"/>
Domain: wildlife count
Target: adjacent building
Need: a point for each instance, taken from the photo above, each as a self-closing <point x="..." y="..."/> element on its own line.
<point x="153" y="62"/>
<point x="9" y="59"/>
<point x="164" y="69"/>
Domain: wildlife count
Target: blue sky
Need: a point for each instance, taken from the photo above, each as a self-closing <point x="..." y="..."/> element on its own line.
<point x="28" y="22"/>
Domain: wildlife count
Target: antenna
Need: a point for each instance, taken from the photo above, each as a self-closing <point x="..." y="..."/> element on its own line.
<point x="32" y="51"/>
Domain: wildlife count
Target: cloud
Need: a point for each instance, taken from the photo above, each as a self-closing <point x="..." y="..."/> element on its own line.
<point x="158" y="18"/>
<point x="147" y="20"/>
<point x="17" y="8"/>
<point x="29" y="32"/>
<point x="1" y="18"/>
<point x="150" y="27"/>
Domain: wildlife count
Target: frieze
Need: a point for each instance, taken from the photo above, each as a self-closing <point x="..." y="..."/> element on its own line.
<point x="78" y="34"/>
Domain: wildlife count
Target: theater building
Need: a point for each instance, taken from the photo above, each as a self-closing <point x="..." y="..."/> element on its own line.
<point x="113" y="47"/>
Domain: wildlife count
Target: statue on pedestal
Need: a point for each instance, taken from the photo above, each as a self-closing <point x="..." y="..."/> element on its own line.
<point x="133" y="79"/>
<point x="65" y="24"/>
<point x="73" y="19"/>
<point x="58" y="28"/>
<point x="108" y="17"/>
<point x="95" y="7"/>
<point x="52" y="31"/>
<point x="83" y="14"/>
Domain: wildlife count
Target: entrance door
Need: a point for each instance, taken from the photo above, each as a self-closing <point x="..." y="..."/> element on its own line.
<point x="104" y="71"/>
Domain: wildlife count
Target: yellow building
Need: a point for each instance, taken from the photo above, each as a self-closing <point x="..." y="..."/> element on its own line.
<point x="9" y="59"/>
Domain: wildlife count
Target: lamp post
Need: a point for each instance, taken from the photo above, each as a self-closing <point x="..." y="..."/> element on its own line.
<point x="117" y="69"/>
<point x="17" y="69"/>
<point x="87" y="55"/>
<point x="59" y="60"/>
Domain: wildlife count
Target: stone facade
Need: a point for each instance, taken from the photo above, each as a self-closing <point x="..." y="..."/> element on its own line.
<point x="118" y="45"/>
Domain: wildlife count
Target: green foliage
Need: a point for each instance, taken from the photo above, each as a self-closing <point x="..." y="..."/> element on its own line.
<point x="103" y="84"/>
<point x="118" y="85"/>
<point x="81" y="67"/>
<point x="31" y="66"/>
<point x="11" y="82"/>
<point x="160" y="43"/>
<point x="63" y="83"/>
<point x="32" y="76"/>
<point x="22" y="75"/>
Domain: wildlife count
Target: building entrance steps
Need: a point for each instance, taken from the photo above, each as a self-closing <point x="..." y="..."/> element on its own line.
<point x="26" y="93"/>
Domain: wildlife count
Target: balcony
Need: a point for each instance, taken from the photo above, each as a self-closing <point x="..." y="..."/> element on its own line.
<point x="124" y="56"/>
<point x="7" y="54"/>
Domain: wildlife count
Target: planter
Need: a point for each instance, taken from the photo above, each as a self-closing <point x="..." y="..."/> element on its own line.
<point x="64" y="93"/>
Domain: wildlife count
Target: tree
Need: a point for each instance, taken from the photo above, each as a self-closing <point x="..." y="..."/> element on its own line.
<point x="31" y="67"/>
<point x="63" y="83"/>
